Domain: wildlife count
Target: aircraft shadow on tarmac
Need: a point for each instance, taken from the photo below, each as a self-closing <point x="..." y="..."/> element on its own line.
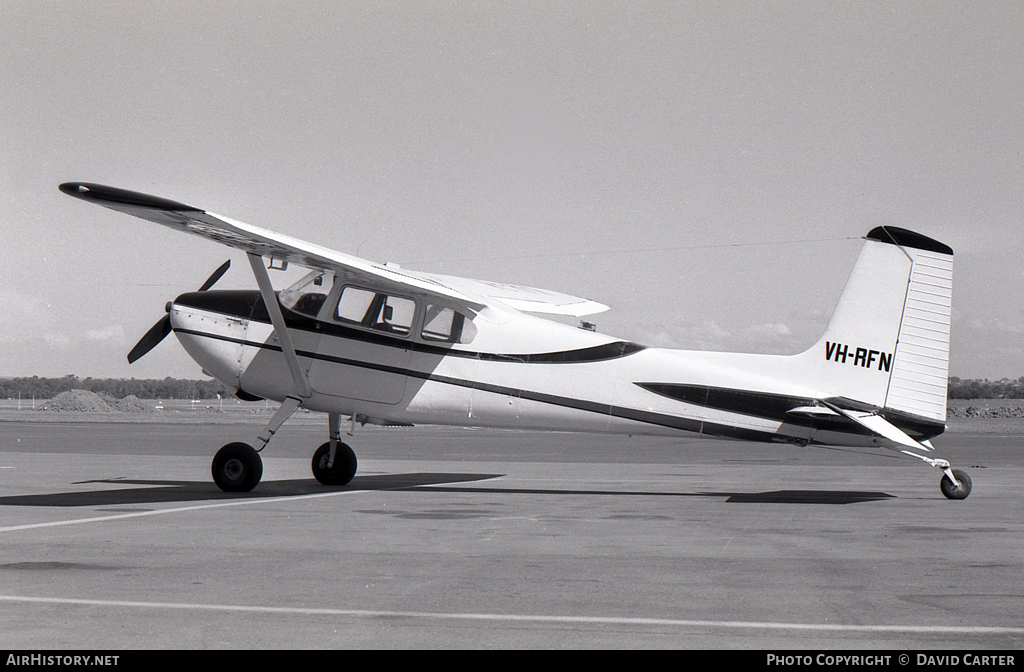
<point x="156" y="491"/>
<point x="775" y="497"/>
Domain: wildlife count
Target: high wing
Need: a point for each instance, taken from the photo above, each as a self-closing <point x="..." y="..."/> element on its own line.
<point x="472" y="294"/>
<point x="526" y="299"/>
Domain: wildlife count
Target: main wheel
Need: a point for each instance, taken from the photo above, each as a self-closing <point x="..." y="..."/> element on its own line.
<point x="343" y="469"/>
<point x="953" y="492"/>
<point x="237" y="467"/>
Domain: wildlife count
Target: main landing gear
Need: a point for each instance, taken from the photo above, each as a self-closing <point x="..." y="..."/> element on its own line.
<point x="237" y="467"/>
<point x="337" y="469"/>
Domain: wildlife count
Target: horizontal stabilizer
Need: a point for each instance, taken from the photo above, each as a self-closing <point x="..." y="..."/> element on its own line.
<point x="812" y="412"/>
<point x="880" y="426"/>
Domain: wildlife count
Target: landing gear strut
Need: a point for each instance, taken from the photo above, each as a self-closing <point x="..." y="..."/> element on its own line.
<point x="334" y="463"/>
<point x="338" y="472"/>
<point x="237" y="467"/>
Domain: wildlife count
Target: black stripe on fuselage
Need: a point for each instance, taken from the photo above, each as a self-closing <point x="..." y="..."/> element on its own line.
<point x="754" y="404"/>
<point x="637" y="415"/>
<point x="676" y="422"/>
<point x="777" y="406"/>
<point x="248" y="305"/>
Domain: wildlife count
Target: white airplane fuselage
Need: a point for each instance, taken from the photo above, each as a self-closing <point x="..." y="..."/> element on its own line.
<point x="518" y="371"/>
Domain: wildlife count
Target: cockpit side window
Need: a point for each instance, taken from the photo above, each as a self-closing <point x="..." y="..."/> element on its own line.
<point x="391" y="314"/>
<point x="354" y="305"/>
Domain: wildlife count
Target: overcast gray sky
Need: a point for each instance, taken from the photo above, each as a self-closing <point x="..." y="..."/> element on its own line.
<point x="705" y="168"/>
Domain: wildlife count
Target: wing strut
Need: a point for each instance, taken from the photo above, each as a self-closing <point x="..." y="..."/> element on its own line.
<point x="270" y="300"/>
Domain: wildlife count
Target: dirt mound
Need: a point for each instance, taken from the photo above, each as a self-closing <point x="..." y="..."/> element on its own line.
<point x="131" y="404"/>
<point x="81" y="401"/>
<point x="84" y="401"/>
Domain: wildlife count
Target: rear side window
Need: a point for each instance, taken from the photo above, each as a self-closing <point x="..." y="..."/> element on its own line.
<point x="395" y="315"/>
<point x="442" y="324"/>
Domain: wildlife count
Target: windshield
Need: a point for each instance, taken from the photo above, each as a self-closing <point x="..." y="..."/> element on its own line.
<point x="306" y="296"/>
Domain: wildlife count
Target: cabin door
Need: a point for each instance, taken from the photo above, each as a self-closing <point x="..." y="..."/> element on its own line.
<point x="364" y="350"/>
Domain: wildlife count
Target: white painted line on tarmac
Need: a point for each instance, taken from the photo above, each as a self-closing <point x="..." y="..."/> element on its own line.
<point x="526" y="618"/>
<point x="178" y="509"/>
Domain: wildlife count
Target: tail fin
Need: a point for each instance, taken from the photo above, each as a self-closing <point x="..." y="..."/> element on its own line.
<point x="887" y="343"/>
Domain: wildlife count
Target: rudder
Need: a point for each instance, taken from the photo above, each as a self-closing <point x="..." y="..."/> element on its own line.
<point x="887" y="343"/>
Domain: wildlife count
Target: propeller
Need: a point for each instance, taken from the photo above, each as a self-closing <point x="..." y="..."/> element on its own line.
<point x="160" y="330"/>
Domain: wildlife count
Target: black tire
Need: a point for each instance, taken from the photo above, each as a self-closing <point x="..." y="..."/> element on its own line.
<point x="237" y="467"/>
<point x="343" y="469"/>
<point x="953" y="492"/>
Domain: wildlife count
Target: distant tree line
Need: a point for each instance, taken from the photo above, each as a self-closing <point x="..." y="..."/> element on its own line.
<point x="986" y="389"/>
<point x="168" y="388"/>
<point x="173" y="388"/>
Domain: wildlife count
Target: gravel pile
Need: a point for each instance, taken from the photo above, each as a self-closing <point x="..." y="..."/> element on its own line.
<point x="985" y="412"/>
<point x="84" y="401"/>
<point x="131" y="404"/>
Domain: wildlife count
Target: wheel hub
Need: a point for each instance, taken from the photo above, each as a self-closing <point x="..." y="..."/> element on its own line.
<point x="234" y="469"/>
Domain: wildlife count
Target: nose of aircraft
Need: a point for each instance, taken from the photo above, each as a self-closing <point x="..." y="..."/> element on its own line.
<point x="239" y="303"/>
<point x="211" y="326"/>
<point x="160" y="330"/>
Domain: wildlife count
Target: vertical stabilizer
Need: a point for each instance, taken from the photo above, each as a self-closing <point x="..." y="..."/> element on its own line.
<point x="887" y="343"/>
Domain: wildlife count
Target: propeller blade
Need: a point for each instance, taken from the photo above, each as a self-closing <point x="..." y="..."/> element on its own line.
<point x="210" y="281"/>
<point x="156" y="334"/>
<point x="159" y="331"/>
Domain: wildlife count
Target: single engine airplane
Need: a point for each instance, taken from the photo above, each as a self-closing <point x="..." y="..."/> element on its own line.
<point x="377" y="343"/>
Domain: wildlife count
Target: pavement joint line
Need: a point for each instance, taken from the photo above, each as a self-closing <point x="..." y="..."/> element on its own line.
<point x="177" y="509"/>
<point x="525" y="618"/>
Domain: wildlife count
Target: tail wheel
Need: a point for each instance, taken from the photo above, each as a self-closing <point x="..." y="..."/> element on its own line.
<point x="237" y="467"/>
<point x="339" y="473"/>
<point x="951" y="490"/>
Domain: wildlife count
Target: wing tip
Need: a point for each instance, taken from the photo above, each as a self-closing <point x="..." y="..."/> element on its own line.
<point x="112" y="197"/>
